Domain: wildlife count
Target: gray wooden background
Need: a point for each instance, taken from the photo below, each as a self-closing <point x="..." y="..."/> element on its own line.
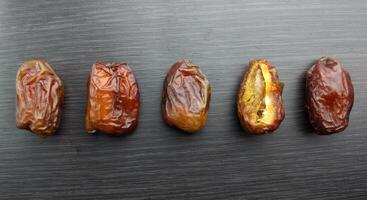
<point x="159" y="162"/>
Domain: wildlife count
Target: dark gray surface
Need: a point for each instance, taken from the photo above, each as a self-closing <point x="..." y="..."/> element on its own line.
<point x="157" y="161"/>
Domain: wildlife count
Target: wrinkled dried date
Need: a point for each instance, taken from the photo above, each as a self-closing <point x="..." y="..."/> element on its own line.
<point x="329" y="96"/>
<point x="259" y="104"/>
<point x="113" y="102"/>
<point x="186" y="97"/>
<point x="39" y="97"/>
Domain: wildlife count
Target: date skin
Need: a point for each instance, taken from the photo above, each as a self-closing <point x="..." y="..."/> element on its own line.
<point x="113" y="102"/>
<point x="259" y="104"/>
<point x="329" y="96"/>
<point x="186" y="97"/>
<point x="39" y="98"/>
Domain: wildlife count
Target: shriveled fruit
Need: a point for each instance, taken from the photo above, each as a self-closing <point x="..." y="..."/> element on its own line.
<point x="186" y="97"/>
<point x="259" y="104"/>
<point x="329" y="96"/>
<point x="39" y="98"/>
<point x="113" y="102"/>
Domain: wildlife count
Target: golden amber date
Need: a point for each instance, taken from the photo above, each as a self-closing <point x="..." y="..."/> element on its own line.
<point x="259" y="104"/>
<point x="186" y="97"/>
<point x="39" y="98"/>
<point x="329" y="96"/>
<point x="113" y="102"/>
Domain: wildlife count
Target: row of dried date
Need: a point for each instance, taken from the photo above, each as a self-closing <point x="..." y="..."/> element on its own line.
<point x="113" y="101"/>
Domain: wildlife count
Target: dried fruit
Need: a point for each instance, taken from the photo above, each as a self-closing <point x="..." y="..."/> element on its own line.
<point x="113" y="102"/>
<point x="259" y="104"/>
<point x="329" y="96"/>
<point x="39" y="97"/>
<point x="186" y="97"/>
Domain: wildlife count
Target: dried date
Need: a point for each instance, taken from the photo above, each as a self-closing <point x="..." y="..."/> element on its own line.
<point x="186" y="97"/>
<point x="113" y="102"/>
<point x="39" y="98"/>
<point x="259" y="104"/>
<point x="329" y="96"/>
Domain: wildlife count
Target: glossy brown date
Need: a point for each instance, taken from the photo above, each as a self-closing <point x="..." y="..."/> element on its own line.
<point x="186" y="97"/>
<point x="259" y="104"/>
<point x="113" y="102"/>
<point x="39" y="98"/>
<point x="329" y="96"/>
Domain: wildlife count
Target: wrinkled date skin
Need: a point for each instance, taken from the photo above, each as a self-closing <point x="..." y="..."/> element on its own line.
<point x="113" y="102"/>
<point x="329" y="96"/>
<point x="186" y="97"/>
<point x="39" y="98"/>
<point x="259" y="104"/>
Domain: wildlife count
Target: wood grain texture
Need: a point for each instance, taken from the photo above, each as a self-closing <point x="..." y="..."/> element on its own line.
<point x="159" y="162"/>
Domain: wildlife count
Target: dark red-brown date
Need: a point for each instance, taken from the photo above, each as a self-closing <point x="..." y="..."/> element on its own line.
<point x="329" y="96"/>
<point x="259" y="104"/>
<point x="113" y="102"/>
<point x="186" y="97"/>
<point x="39" y="97"/>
